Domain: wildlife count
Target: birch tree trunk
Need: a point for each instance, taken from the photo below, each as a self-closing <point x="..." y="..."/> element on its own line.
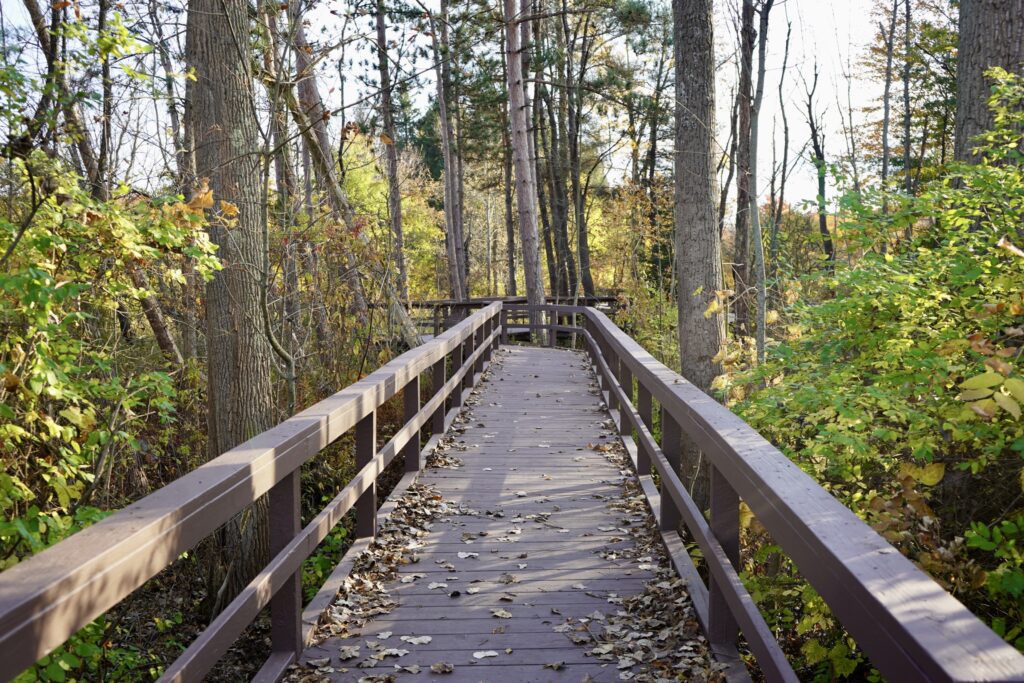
<point x="526" y="187"/>
<point x="698" y="248"/>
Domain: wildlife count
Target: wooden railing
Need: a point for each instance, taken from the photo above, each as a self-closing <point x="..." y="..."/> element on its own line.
<point x="909" y="627"/>
<point x="47" y="598"/>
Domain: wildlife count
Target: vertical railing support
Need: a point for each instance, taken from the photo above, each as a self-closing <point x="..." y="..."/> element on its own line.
<point x="672" y="447"/>
<point x="457" y="356"/>
<point x="411" y="406"/>
<point x="645" y="408"/>
<point x="366" y="449"/>
<point x="504" y="326"/>
<point x="725" y="525"/>
<point x="437" y="321"/>
<point x="478" y="366"/>
<point x="438" y="380"/>
<point x="286" y="605"/>
<point x="552" y="335"/>
<point x="626" y="382"/>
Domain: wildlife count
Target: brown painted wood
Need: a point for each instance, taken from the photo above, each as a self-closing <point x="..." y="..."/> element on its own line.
<point x="520" y="457"/>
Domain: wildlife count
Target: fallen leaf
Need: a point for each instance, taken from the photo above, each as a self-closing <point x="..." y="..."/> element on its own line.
<point x="417" y="640"/>
<point x="484" y="654"/>
<point x="441" y="668"/>
<point x="501" y="613"/>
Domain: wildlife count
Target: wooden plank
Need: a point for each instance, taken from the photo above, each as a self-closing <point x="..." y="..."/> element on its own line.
<point x="564" y="575"/>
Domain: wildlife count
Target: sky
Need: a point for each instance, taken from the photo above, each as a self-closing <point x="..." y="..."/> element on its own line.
<point x="833" y="32"/>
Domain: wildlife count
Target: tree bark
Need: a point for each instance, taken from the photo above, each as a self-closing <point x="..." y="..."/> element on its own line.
<point x="755" y="214"/>
<point x="890" y="43"/>
<point x="526" y="187"/>
<point x="991" y="34"/>
<point x="510" y="229"/>
<point x="239" y="398"/>
<point x="698" y="248"/>
<point x="391" y="153"/>
<point x="741" y="246"/>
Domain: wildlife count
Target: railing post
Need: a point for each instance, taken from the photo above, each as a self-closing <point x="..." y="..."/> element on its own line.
<point x="411" y="406"/>
<point x="456" y="364"/>
<point x="437" y="321"/>
<point x="646" y="410"/>
<point x="366" y="449"/>
<point x="438" y="379"/>
<point x="613" y="370"/>
<point x="725" y="525"/>
<point x="478" y="341"/>
<point x="626" y="382"/>
<point x="504" y="326"/>
<point x="671" y="446"/>
<point x="286" y="605"/>
<point x="552" y="335"/>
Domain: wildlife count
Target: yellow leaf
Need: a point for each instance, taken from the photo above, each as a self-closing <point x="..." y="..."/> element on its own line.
<point x="202" y="196"/>
<point x="771" y="317"/>
<point x="1008" y="404"/>
<point x="1015" y="387"/>
<point x="386" y="139"/>
<point x="228" y="209"/>
<point x="929" y="475"/>
<point x="713" y="307"/>
<point x="989" y="379"/>
<point x="747" y="515"/>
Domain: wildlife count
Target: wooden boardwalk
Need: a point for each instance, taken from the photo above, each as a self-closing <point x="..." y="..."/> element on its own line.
<point x="533" y="522"/>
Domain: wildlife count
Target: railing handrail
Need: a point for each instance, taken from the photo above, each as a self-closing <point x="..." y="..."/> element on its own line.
<point x="48" y="597"/>
<point x="907" y="624"/>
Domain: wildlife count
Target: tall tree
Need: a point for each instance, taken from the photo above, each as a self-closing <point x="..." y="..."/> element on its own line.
<point x="390" y="140"/>
<point x="741" y="248"/>
<point x="755" y="214"/>
<point x="516" y="29"/>
<point x="239" y="395"/>
<point x="698" y="248"/>
<point x="991" y="34"/>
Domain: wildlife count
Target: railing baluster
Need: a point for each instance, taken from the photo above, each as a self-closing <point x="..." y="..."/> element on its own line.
<point x="552" y="335"/>
<point x="478" y="340"/>
<point x="725" y="525"/>
<point x="646" y="410"/>
<point x="626" y="382"/>
<point x="366" y="449"/>
<point x="671" y="446"/>
<point x="456" y="364"/>
<point x="438" y="380"/>
<point x="411" y="406"/>
<point x="286" y="605"/>
<point x="504" y="326"/>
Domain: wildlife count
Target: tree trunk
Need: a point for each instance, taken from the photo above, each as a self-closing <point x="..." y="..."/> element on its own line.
<point x="391" y="153"/>
<point x="741" y="246"/>
<point x="907" y="178"/>
<point x="510" y="228"/>
<point x="755" y="214"/>
<point x="526" y="188"/>
<point x="991" y="34"/>
<point x="889" y="35"/>
<point x="239" y="398"/>
<point x="452" y="237"/>
<point x="698" y="248"/>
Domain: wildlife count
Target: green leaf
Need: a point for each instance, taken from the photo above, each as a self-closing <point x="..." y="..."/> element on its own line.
<point x="1007" y="403"/>
<point x="1015" y="387"/>
<point x="989" y="379"/>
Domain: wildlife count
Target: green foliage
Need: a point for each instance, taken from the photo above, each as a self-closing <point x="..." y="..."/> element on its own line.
<point x="901" y="391"/>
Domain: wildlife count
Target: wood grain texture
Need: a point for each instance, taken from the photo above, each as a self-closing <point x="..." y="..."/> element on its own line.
<point x="540" y="498"/>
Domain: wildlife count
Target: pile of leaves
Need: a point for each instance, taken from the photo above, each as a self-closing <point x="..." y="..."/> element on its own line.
<point x="654" y="635"/>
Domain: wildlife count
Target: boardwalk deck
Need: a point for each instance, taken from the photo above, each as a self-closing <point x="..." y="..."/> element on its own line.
<point x="528" y="450"/>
